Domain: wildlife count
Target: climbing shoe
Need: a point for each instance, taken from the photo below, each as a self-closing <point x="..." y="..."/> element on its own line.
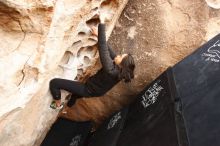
<point x="53" y="105"/>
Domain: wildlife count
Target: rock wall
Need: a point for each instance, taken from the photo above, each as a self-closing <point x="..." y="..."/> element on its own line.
<point x="51" y="38"/>
<point x="159" y="34"/>
<point x="40" y="40"/>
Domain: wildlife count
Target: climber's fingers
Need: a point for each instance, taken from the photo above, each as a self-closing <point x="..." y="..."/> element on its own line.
<point x="94" y="31"/>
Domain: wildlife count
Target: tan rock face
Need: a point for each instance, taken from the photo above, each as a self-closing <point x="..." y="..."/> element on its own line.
<point x="41" y="40"/>
<point x="161" y="33"/>
<point x="44" y="39"/>
<point x="213" y="3"/>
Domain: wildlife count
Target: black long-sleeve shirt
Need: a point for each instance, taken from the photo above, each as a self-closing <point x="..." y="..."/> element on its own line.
<point x="107" y="76"/>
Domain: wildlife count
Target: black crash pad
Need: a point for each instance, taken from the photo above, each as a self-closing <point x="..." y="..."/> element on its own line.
<point x="67" y="133"/>
<point x="151" y="119"/>
<point x="197" y="79"/>
<point x="107" y="134"/>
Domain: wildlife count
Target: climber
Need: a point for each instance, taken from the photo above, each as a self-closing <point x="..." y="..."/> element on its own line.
<point x="114" y="69"/>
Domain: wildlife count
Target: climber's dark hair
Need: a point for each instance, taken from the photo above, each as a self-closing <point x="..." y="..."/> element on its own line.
<point x="127" y="66"/>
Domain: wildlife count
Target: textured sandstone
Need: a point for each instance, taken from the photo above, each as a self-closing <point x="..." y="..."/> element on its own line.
<point x="40" y="40"/>
<point x="213" y="3"/>
<point x="51" y="38"/>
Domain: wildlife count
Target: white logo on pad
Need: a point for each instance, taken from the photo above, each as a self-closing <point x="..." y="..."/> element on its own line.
<point x="114" y="120"/>
<point x="213" y="52"/>
<point x="75" y="140"/>
<point x="150" y="96"/>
